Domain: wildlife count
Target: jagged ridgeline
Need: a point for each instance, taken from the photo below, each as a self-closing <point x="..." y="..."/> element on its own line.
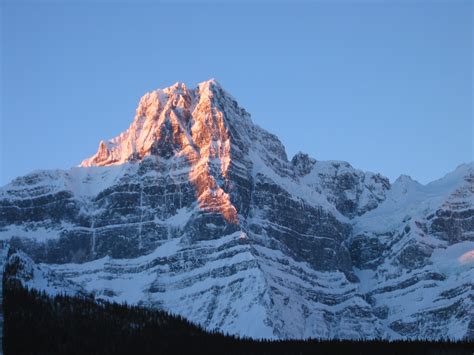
<point x="197" y="211"/>
<point x="37" y="323"/>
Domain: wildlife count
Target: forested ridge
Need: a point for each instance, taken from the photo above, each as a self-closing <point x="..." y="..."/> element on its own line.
<point x="36" y="323"/>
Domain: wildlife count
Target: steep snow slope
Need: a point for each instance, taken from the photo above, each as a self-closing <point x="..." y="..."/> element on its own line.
<point x="196" y="210"/>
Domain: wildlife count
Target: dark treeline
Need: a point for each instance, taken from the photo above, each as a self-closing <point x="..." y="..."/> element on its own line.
<point x="36" y="323"/>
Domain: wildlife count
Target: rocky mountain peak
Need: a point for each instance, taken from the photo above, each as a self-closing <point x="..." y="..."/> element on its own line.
<point x="198" y="211"/>
<point x="302" y="163"/>
<point x="172" y="120"/>
<point x="404" y="184"/>
<point x="192" y="126"/>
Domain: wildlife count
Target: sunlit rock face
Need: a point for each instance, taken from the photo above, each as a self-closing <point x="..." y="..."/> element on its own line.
<point x="177" y="123"/>
<point x="196" y="210"/>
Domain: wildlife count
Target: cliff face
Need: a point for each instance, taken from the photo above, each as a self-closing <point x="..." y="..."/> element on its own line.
<point x="196" y="210"/>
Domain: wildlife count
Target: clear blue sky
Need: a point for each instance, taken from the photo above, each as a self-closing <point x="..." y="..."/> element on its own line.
<point x="384" y="85"/>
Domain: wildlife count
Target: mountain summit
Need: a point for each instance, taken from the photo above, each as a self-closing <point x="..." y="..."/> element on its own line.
<point x="197" y="128"/>
<point x="172" y="121"/>
<point x="196" y="210"/>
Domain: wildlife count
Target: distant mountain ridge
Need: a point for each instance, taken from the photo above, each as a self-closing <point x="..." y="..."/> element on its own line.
<point x="197" y="211"/>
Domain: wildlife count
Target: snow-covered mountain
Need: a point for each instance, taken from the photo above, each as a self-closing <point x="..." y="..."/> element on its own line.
<point x="196" y="210"/>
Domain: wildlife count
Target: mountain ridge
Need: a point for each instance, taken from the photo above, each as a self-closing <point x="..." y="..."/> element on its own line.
<point x="197" y="211"/>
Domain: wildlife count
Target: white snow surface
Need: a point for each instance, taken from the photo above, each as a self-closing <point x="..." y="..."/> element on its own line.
<point x="408" y="198"/>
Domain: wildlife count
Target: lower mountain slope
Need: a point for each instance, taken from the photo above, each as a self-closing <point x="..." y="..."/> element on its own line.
<point x="38" y="323"/>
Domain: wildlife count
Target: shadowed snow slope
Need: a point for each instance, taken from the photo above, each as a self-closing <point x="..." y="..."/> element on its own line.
<point x="196" y="210"/>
